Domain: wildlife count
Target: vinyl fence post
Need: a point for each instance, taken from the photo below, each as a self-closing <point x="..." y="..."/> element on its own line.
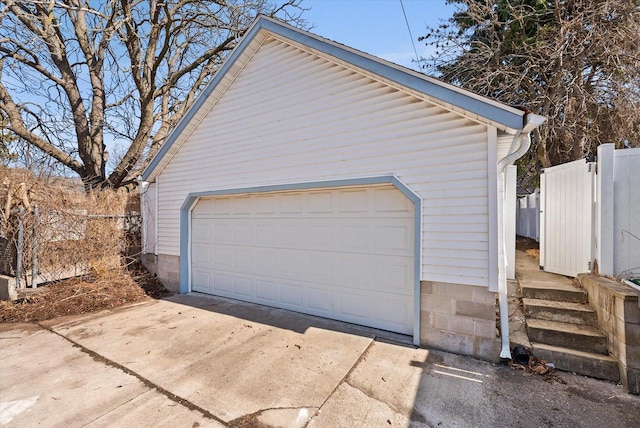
<point x="19" y="246"/>
<point x="542" y="226"/>
<point x="34" y="249"/>
<point x="605" y="198"/>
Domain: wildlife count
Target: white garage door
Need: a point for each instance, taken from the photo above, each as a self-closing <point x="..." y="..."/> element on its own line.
<point x="343" y="253"/>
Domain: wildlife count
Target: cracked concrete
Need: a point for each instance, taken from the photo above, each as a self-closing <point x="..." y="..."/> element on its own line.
<point x="196" y="361"/>
<point x="73" y="389"/>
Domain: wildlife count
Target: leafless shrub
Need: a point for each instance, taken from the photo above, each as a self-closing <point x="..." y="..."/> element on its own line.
<point x="72" y="232"/>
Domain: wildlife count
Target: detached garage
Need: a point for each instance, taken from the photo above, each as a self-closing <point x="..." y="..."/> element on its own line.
<point x="312" y="177"/>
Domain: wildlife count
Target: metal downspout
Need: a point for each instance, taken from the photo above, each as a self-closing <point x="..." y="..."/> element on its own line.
<point x="505" y="351"/>
<point x="523" y="142"/>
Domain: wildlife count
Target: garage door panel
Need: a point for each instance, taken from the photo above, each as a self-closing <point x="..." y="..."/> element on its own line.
<point x="242" y="205"/>
<point x="266" y="291"/>
<point x="345" y="254"/>
<point x="201" y="230"/>
<point x="387" y="273"/>
<point x="320" y="202"/>
<point x="242" y="260"/>
<point x="392" y="201"/>
<point x="265" y="204"/>
<point x="221" y="283"/>
<point x="321" y="235"/>
<point x="291" y="203"/>
<point x="354" y="270"/>
<point x="355" y="237"/>
<point x="201" y="254"/>
<point x="292" y="295"/>
<point x="321" y="299"/>
<point x="243" y="232"/>
<point x="243" y="286"/>
<point x="266" y="262"/>
<point x="353" y="201"/>
<point x="203" y="279"/>
<point x="291" y="264"/>
<point x="221" y="257"/>
<point x="266" y="233"/>
<point x="393" y="310"/>
<point x="321" y="266"/>
<point x="393" y="277"/>
<point x="292" y="234"/>
<point x="394" y="238"/>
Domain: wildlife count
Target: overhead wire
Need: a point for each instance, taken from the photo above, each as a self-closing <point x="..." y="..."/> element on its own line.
<point x="406" y="20"/>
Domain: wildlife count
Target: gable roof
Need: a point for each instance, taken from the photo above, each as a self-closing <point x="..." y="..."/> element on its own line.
<point x="471" y="105"/>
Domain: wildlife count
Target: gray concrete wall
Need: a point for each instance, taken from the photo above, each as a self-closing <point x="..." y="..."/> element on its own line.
<point x="619" y="318"/>
<point x="460" y="319"/>
<point x="168" y="271"/>
<point x="150" y="262"/>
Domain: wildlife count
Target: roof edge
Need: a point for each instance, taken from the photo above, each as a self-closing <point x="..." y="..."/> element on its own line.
<point x="483" y="107"/>
<point x="200" y="100"/>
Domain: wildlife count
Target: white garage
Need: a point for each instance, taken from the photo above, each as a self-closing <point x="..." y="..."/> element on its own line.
<point x="344" y="253"/>
<point x="313" y="177"/>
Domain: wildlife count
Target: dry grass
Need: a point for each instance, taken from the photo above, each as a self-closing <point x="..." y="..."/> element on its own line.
<point x="82" y="295"/>
<point x="533" y="252"/>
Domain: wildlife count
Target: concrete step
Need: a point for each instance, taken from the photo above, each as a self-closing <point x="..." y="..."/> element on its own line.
<point x="584" y="363"/>
<point x="552" y="290"/>
<point x="551" y="310"/>
<point x="573" y="336"/>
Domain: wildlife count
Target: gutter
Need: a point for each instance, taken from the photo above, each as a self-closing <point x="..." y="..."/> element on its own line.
<point x="632" y="285"/>
<point x="519" y="146"/>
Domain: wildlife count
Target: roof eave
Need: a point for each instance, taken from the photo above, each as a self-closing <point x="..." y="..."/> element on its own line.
<point x="504" y="117"/>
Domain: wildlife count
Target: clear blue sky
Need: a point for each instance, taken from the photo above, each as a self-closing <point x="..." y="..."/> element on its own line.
<point x="377" y="27"/>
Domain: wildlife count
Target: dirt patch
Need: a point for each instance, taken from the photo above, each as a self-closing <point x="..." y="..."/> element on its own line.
<point x="539" y="367"/>
<point x="529" y="246"/>
<point x="83" y="295"/>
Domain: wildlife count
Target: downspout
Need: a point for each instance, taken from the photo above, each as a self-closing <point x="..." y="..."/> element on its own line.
<point x="521" y="140"/>
<point x="143" y="187"/>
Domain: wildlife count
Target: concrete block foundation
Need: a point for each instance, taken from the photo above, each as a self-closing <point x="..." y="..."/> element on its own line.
<point x="460" y="319"/>
<point x="168" y="271"/>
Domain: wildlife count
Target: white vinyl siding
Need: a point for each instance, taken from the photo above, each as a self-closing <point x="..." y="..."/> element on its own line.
<point x="291" y="117"/>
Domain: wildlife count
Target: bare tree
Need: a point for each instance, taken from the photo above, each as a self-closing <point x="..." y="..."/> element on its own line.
<point x="575" y="61"/>
<point x="77" y="74"/>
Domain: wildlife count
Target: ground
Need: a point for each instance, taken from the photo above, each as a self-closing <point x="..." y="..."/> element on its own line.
<point x="196" y="361"/>
<point x="529" y="246"/>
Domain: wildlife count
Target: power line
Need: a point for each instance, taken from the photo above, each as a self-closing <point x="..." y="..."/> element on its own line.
<point x="410" y="35"/>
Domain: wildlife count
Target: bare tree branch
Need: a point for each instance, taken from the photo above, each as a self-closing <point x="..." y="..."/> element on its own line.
<point x="117" y="70"/>
<point x="575" y="62"/>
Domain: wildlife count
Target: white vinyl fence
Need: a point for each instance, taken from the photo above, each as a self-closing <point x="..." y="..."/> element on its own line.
<point x="589" y="215"/>
<point x="528" y="216"/>
<point x="626" y="216"/>
<point x="566" y="217"/>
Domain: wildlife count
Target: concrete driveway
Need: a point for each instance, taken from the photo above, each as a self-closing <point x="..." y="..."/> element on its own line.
<point x="198" y="361"/>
